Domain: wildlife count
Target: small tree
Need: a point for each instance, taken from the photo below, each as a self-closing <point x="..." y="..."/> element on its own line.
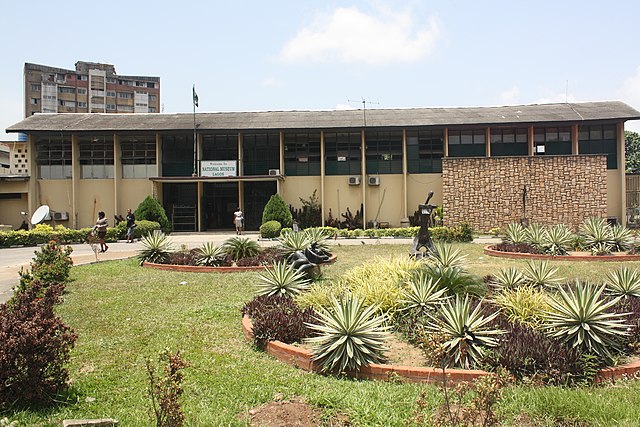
<point x="632" y="151"/>
<point x="277" y="210"/>
<point x="151" y="210"/>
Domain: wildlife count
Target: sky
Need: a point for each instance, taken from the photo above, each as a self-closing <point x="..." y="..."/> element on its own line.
<point x="326" y="54"/>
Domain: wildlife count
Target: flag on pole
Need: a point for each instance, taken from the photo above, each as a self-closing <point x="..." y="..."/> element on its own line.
<point x="195" y="96"/>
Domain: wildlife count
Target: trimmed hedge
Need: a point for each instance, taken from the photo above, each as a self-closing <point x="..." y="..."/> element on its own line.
<point x="270" y="229"/>
<point x="459" y="233"/>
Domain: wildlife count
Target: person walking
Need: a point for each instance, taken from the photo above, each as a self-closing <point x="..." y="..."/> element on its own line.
<point x="101" y="229"/>
<point x="131" y="224"/>
<point x="238" y="220"/>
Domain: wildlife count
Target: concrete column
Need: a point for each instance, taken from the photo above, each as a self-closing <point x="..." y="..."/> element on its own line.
<point x="322" y="177"/>
<point x="445" y="144"/>
<point x="75" y="179"/>
<point x="530" y="138"/>
<point x="622" y="174"/>
<point x="405" y="171"/>
<point x="199" y="210"/>
<point x="32" y="187"/>
<point x="117" y="174"/>
<point x="575" y="147"/>
<point x="240" y="172"/>
<point x="363" y="161"/>
<point x="487" y="141"/>
<point x="154" y="185"/>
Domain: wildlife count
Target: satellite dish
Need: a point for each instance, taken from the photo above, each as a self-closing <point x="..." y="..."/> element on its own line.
<point x="40" y="214"/>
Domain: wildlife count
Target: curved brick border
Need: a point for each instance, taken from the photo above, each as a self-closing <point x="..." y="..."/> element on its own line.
<point x="203" y="269"/>
<point x="301" y="358"/>
<point x="573" y="256"/>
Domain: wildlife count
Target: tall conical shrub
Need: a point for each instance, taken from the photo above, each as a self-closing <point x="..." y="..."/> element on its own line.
<point x="277" y="210"/>
<point x="151" y="210"/>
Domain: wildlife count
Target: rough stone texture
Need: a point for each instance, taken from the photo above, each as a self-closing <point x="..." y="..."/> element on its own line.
<point x="487" y="192"/>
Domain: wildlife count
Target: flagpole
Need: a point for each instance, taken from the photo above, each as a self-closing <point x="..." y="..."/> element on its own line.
<point x="195" y="144"/>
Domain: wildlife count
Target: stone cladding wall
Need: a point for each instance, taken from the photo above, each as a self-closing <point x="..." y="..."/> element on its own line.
<point x="488" y="192"/>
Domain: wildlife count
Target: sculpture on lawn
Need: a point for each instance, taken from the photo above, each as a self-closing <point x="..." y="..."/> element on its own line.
<point x="423" y="238"/>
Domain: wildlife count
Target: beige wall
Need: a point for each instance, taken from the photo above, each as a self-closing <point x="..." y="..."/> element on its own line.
<point x="296" y="187"/>
<point x="418" y="187"/>
<point x="131" y="193"/>
<point x="387" y="197"/>
<point x="58" y="195"/>
<point x="339" y="196"/>
<point x="615" y="204"/>
<point x="94" y="195"/>
<point x="10" y="208"/>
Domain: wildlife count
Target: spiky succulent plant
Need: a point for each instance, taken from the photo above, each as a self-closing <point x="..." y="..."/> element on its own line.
<point x="540" y="273"/>
<point x="290" y="242"/>
<point x="508" y="278"/>
<point x="623" y="282"/>
<point x="350" y="335"/>
<point x="466" y="331"/>
<point x="210" y="254"/>
<point x="559" y="239"/>
<point x="621" y="238"/>
<point x="514" y="233"/>
<point x="580" y="318"/>
<point x="422" y="294"/>
<point x="445" y="256"/>
<point x="595" y="231"/>
<point x="241" y="247"/>
<point x="536" y="234"/>
<point x="282" y="279"/>
<point x="156" y="247"/>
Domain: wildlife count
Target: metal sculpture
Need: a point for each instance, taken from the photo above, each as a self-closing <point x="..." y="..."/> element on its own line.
<point x="423" y="238"/>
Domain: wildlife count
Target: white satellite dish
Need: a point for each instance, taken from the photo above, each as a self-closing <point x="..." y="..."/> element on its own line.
<point x="40" y="214"/>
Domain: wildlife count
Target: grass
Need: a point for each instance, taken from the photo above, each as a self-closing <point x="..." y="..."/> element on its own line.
<point x="125" y="314"/>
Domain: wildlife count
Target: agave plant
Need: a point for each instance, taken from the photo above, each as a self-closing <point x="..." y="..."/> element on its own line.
<point x="579" y="318"/>
<point x="282" y="279"/>
<point x="540" y="273"/>
<point x="291" y="242"/>
<point x="209" y="254"/>
<point x="621" y="238"/>
<point x="515" y="233"/>
<point x="466" y="331"/>
<point x="318" y="236"/>
<point x="350" y="335"/>
<point x="508" y="278"/>
<point x="444" y="256"/>
<point x="595" y="231"/>
<point x="525" y="305"/>
<point x="536" y="234"/>
<point x="559" y="240"/>
<point x="600" y="249"/>
<point x="241" y="247"/>
<point x="156" y="248"/>
<point x="422" y="294"/>
<point x="623" y="282"/>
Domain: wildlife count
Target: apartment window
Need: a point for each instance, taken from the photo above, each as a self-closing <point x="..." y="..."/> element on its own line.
<point x="111" y="80"/>
<point x="153" y="110"/>
<point x="467" y="143"/>
<point x="35" y="87"/>
<point x="111" y="93"/>
<point x="140" y="84"/>
<point x="425" y="149"/>
<point x="599" y="139"/>
<point x="96" y="157"/>
<point x="35" y="101"/>
<point x="125" y="95"/>
<point x="261" y="152"/>
<point x="53" y="157"/>
<point x="82" y="91"/>
<point x="125" y="108"/>
<point x="111" y="107"/>
<point x="83" y="77"/>
<point x="151" y="85"/>
<point x="555" y="140"/>
<point x="509" y="142"/>
<point x="138" y="156"/>
<point x="343" y="153"/>
<point x="153" y="98"/>
<point x="383" y="151"/>
<point x="302" y="154"/>
<point x="82" y="105"/>
<point x="65" y="89"/>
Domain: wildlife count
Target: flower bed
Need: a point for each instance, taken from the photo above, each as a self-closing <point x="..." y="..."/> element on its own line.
<point x="205" y="269"/>
<point x="572" y="256"/>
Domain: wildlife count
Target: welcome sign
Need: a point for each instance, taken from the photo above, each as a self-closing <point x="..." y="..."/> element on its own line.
<point x="217" y="168"/>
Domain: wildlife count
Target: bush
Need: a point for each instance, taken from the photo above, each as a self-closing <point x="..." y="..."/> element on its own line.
<point x="277" y="210"/>
<point x="35" y="346"/>
<point x="270" y="229"/>
<point x="276" y="317"/>
<point x="458" y="233"/>
<point x="52" y="264"/>
<point x="151" y="210"/>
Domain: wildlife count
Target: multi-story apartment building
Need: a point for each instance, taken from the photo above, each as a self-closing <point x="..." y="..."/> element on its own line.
<point x="90" y="88"/>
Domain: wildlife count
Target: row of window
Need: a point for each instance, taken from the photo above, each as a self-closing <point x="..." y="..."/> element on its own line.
<point x="343" y="152"/>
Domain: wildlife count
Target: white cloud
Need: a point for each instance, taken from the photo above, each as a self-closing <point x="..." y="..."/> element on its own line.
<point x="510" y="96"/>
<point x="349" y="35"/>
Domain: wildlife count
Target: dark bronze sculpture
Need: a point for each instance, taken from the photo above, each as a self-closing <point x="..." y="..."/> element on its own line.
<point x="423" y="239"/>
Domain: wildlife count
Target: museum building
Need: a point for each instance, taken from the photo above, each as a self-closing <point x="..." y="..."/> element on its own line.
<point x="489" y="166"/>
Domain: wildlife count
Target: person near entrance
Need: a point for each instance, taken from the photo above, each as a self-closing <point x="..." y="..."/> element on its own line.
<point x="131" y="224"/>
<point x="101" y="229"/>
<point x="238" y="220"/>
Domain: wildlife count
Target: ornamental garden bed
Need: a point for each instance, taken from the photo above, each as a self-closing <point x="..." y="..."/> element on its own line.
<point x="570" y="256"/>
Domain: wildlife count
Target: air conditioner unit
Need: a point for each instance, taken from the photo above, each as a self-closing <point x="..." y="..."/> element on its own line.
<point x="354" y="180"/>
<point x="274" y="172"/>
<point x="60" y="216"/>
<point x="374" y="180"/>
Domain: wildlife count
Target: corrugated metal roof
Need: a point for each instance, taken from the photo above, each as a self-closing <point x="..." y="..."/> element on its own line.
<point x="331" y="119"/>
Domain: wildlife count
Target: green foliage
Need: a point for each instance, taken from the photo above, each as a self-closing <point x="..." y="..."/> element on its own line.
<point x="632" y="151"/>
<point x="282" y="279"/>
<point x="540" y="273"/>
<point x="270" y="229"/>
<point x="558" y="240"/>
<point x="277" y="210"/>
<point x="421" y="295"/>
<point x="508" y="278"/>
<point x="241" y="247"/>
<point x="579" y="318"/>
<point x="448" y="267"/>
<point x="466" y="331"/>
<point x="290" y="242"/>
<point x="350" y="336"/>
<point x="151" y="210"/>
<point x="156" y="248"/>
<point x="165" y="391"/>
<point x="457" y="233"/>
<point x="52" y="263"/>
<point x="311" y="213"/>
<point x="142" y="228"/>
<point x="210" y="255"/>
<point x="445" y="256"/>
<point x="515" y="233"/>
<point x="319" y="236"/>
<point x="595" y="232"/>
<point x="525" y="304"/>
<point x="621" y="238"/>
<point x="536" y="234"/>
<point x="623" y="282"/>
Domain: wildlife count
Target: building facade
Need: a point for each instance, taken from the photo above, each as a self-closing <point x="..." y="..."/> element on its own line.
<point x="488" y="166"/>
<point x="90" y="88"/>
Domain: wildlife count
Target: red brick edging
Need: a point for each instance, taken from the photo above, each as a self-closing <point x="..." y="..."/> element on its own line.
<point x="204" y="269"/>
<point x="573" y="256"/>
<point x="301" y="358"/>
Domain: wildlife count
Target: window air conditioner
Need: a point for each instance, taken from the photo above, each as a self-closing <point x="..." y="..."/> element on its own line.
<point x="60" y="216"/>
<point x="274" y="172"/>
<point x="354" y="180"/>
<point x="374" y="180"/>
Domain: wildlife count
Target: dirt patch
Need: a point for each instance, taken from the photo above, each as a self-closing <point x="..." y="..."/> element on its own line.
<point x="293" y="412"/>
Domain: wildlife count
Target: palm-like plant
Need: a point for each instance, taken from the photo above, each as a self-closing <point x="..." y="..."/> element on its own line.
<point x="291" y="242"/>
<point x="209" y="254"/>
<point x="579" y="318"/>
<point x="445" y="256"/>
<point x="350" y="335"/>
<point x="422" y="294"/>
<point x="318" y="236"/>
<point x="559" y="240"/>
<point x="600" y="249"/>
<point x="540" y="273"/>
<point x="514" y="233"/>
<point x="623" y="282"/>
<point x="621" y="238"/>
<point x="536" y="234"/>
<point x="241" y="247"/>
<point x="466" y="331"/>
<point x="156" y="248"/>
<point x="283" y="280"/>
<point x="508" y="278"/>
<point x="595" y="231"/>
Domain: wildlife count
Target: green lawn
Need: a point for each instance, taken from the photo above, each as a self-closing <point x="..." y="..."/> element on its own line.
<point x="124" y="314"/>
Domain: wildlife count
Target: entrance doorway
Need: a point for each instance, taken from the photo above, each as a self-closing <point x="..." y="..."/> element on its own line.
<point x="180" y="204"/>
<point x="219" y="201"/>
<point x="256" y="196"/>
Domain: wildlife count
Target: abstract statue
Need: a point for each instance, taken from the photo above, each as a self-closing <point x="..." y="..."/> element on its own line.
<point x="423" y="239"/>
